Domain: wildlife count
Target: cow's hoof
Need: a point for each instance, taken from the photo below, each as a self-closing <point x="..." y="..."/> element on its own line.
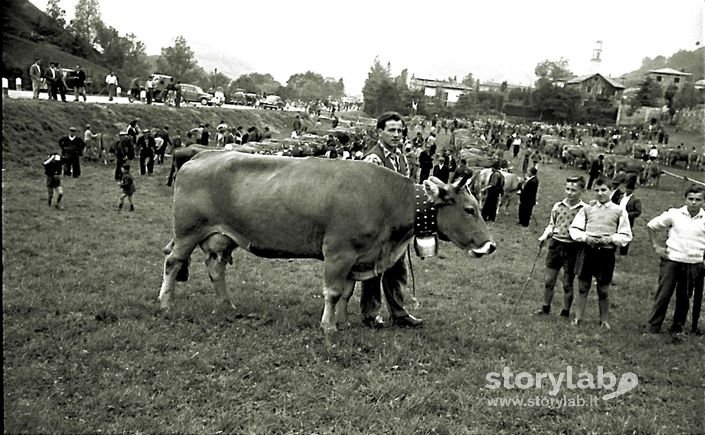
<point x="340" y="326"/>
<point x="328" y="329"/>
<point x="227" y="305"/>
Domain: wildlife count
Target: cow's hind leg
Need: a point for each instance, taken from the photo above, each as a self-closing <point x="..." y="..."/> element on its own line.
<point x="178" y="255"/>
<point x="218" y="249"/>
<point x="338" y="264"/>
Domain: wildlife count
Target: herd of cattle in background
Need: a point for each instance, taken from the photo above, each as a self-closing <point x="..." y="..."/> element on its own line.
<point x="481" y="143"/>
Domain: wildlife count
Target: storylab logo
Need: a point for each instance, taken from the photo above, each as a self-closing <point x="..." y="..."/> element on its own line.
<point x="605" y="382"/>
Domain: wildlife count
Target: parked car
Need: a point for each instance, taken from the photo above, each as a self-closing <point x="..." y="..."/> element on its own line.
<point x="193" y="94"/>
<point x="239" y="98"/>
<point x="273" y="102"/>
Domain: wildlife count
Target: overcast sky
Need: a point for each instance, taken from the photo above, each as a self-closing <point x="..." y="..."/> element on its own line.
<point x="495" y="40"/>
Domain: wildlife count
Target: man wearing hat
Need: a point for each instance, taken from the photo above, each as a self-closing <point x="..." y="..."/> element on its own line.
<point x="527" y="197"/>
<point x="124" y="151"/>
<point x="631" y="204"/>
<point x="494" y="188"/>
<point x="72" y="148"/>
<point x="147" y="146"/>
<point x="596" y="168"/>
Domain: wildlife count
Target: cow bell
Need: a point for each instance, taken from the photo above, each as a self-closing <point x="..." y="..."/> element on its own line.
<point x="426" y="246"/>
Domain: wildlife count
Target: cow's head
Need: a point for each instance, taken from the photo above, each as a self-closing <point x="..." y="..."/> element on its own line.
<point x="459" y="219"/>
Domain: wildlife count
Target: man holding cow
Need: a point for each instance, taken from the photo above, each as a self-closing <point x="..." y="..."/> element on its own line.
<point x="386" y="153"/>
<point x="229" y="200"/>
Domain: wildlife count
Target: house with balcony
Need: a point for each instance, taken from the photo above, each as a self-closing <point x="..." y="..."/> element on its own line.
<point x="597" y="87"/>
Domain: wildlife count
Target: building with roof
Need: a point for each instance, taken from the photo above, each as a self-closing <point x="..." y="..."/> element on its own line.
<point x="447" y="91"/>
<point x="597" y="87"/>
<point x="668" y="76"/>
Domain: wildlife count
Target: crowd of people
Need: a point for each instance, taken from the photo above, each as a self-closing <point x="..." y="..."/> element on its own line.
<point x="57" y="81"/>
<point x="583" y="238"/>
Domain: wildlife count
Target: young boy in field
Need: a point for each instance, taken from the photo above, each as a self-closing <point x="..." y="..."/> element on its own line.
<point x="52" y="170"/>
<point x="127" y="186"/>
<point x="601" y="226"/>
<point x="562" y="250"/>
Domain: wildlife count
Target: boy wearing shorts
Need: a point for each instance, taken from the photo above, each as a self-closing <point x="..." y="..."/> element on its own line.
<point x="127" y="186"/>
<point x="52" y="170"/>
<point x="562" y="250"/>
<point x="601" y="226"/>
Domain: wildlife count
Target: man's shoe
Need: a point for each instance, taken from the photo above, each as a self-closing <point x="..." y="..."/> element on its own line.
<point x="565" y="313"/>
<point x="696" y="331"/>
<point x="374" y="322"/>
<point x="652" y="329"/>
<point x="545" y="310"/>
<point x="605" y="325"/>
<point x="407" y="321"/>
<point x="576" y="322"/>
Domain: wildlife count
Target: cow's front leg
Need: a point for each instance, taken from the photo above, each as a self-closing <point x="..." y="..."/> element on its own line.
<point x="218" y="249"/>
<point x="216" y="273"/>
<point x="341" y="309"/>
<point x="331" y="297"/>
<point x="171" y="269"/>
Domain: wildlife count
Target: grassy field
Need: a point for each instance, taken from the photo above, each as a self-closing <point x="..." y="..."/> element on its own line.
<point x="86" y="348"/>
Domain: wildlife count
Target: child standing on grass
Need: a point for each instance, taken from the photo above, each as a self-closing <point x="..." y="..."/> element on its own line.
<point x="601" y="226"/>
<point x="562" y="250"/>
<point x="52" y="170"/>
<point x="127" y="186"/>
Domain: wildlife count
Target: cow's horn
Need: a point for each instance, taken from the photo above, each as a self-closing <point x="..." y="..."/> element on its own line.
<point x="437" y="182"/>
<point x="461" y="182"/>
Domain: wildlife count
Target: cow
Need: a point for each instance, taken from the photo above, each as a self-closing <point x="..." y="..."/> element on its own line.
<point x="614" y="164"/>
<point x="279" y="207"/>
<point x="512" y="184"/>
<point x="672" y="156"/>
<point x="693" y="160"/>
<point x="652" y="174"/>
<point x="576" y="156"/>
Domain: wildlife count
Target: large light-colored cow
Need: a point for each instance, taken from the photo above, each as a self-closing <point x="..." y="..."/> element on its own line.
<point x="512" y="184"/>
<point x="281" y="207"/>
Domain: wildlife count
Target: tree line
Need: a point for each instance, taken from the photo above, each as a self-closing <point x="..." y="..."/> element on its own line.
<point x="544" y="100"/>
<point x="87" y="36"/>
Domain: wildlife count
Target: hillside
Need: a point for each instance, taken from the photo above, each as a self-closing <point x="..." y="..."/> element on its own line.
<point x="31" y="129"/>
<point x="29" y="33"/>
<point x="683" y="60"/>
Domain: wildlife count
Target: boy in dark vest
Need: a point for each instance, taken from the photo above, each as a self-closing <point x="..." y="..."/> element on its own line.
<point x="601" y="226"/>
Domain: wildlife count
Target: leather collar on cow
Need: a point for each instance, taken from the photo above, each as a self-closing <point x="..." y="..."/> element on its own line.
<point x="425" y="216"/>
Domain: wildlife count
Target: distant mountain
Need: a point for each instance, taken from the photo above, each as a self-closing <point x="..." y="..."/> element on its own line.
<point x="683" y="60"/>
<point x="210" y="60"/>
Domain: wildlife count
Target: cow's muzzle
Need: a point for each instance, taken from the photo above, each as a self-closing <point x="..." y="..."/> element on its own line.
<point x="486" y="249"/>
